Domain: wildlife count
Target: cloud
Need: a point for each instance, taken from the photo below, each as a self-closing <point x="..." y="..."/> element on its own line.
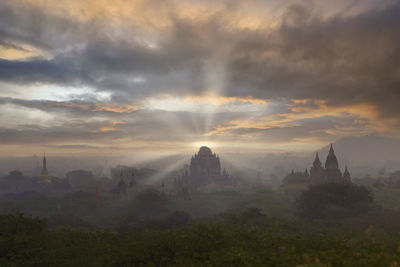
<point x="306" y="56"/>
<point x="268" y="71"/>
<point x="344" y="60"/>
<point x="72" y="106"/>
<point x="307" y="118"/>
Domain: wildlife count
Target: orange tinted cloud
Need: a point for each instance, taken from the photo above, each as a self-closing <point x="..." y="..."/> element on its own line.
<point x="153" y="14"/>
<point x="18" y="52"/>
<point x="368" y="119"/>
<point x="110" y="126"/>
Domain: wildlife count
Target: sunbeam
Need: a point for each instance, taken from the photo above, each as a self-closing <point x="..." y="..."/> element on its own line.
<point x="162" y="173"/>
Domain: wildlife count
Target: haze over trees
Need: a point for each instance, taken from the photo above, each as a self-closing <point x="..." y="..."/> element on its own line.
<point x="129" y="218"/>
<point x="199" y="133"/>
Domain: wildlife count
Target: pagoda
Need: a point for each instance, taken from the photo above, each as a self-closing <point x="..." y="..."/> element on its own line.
<point x="44" y="175"/>
<point x="332" y="171"/>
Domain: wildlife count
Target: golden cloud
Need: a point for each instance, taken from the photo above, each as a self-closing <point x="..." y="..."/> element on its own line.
<point x="144" y="12"/>
<point x="19" y="52"/>
<point x="366" y="119"/>
<point x="110" y="126"/>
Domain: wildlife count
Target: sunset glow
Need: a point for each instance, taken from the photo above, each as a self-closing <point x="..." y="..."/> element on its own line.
<point x="259" y="75"/>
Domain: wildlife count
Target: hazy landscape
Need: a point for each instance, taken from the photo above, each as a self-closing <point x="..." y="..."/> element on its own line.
<point x="199" y="133"/>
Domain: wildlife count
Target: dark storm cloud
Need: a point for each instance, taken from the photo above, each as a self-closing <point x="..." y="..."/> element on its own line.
<point x="28" y="24"/>
<point x="84" y="53"/>
<point x="44" y="71"/>
<point x="344" y="60"/>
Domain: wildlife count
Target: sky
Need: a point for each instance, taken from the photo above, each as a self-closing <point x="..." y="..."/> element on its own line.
<point x="118" y="77"/>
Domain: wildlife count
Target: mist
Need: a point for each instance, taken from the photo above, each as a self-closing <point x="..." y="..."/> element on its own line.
<point x="199" y="133"/>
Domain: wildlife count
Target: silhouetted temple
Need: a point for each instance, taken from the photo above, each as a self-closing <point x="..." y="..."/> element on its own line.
<point x="316" y="171"/>
<point x="346" y="175"/>
<point x="44" y="175"/>
<point x="205" y="168"/>
<point x="205" y="164"/>
<point x="332" y="171"/>
<point x="122" y="190"/>
<point x="318" y="174"/>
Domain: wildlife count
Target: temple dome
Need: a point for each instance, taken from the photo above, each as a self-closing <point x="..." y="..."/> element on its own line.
<point x="205" y="151"/>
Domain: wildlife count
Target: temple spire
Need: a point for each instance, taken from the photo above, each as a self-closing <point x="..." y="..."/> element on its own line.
<point x="346" y="174"/>
<point x="331" y="161"/>
<point x="44" y="167"/>
<point x="44" y="176"/>
<point x="332" y="171"/>
<point x="331" y="152"/>
<point x="317" y="162"/>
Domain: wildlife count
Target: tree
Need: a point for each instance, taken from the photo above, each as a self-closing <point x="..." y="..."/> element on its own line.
<point x="333" y="199"/>
<point x="21" y="239"/>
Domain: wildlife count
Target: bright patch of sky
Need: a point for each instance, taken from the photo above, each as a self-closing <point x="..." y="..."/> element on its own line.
<point x="13" y="116"/>
<point x="52" y="92"/>
<point x="206" y="105"/>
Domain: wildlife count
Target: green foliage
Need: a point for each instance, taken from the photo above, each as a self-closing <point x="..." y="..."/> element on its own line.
<point x="333" y="199"/>
<point x="26" y="242"/>
<point x="21" y="239"/>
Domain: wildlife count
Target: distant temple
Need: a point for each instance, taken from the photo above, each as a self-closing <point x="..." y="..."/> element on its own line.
<point x="332" y="171"/>
<point x="44" y="175"/>
<point x="205" y="168"/>
<point x="319" y="174"/>
<point x="316" y="171"/>
<point x="123" y="190"/>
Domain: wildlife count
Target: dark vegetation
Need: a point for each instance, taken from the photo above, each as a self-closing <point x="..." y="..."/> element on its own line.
<point x="245" y="239"/>
<point x="326" y="225"/>
<point x="333" y="200"/>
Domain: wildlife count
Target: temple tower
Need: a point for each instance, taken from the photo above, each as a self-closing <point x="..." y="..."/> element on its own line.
<point x="317" y="171"/>
<point x="346" y="175"/>
<point x="44" y="176"/>
<point x="332" y="171"/>
<point x="44" y="166"/>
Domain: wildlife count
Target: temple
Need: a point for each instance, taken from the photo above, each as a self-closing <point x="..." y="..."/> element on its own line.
<point x="44" y="175"/>
<point x="205" y="168"/>
<point x="316" y="171"/>
<point x="123" y="190"/>
<point x="319" y="174"/>
<point x="346" y="174"/>
<point x="332" y="171"/>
